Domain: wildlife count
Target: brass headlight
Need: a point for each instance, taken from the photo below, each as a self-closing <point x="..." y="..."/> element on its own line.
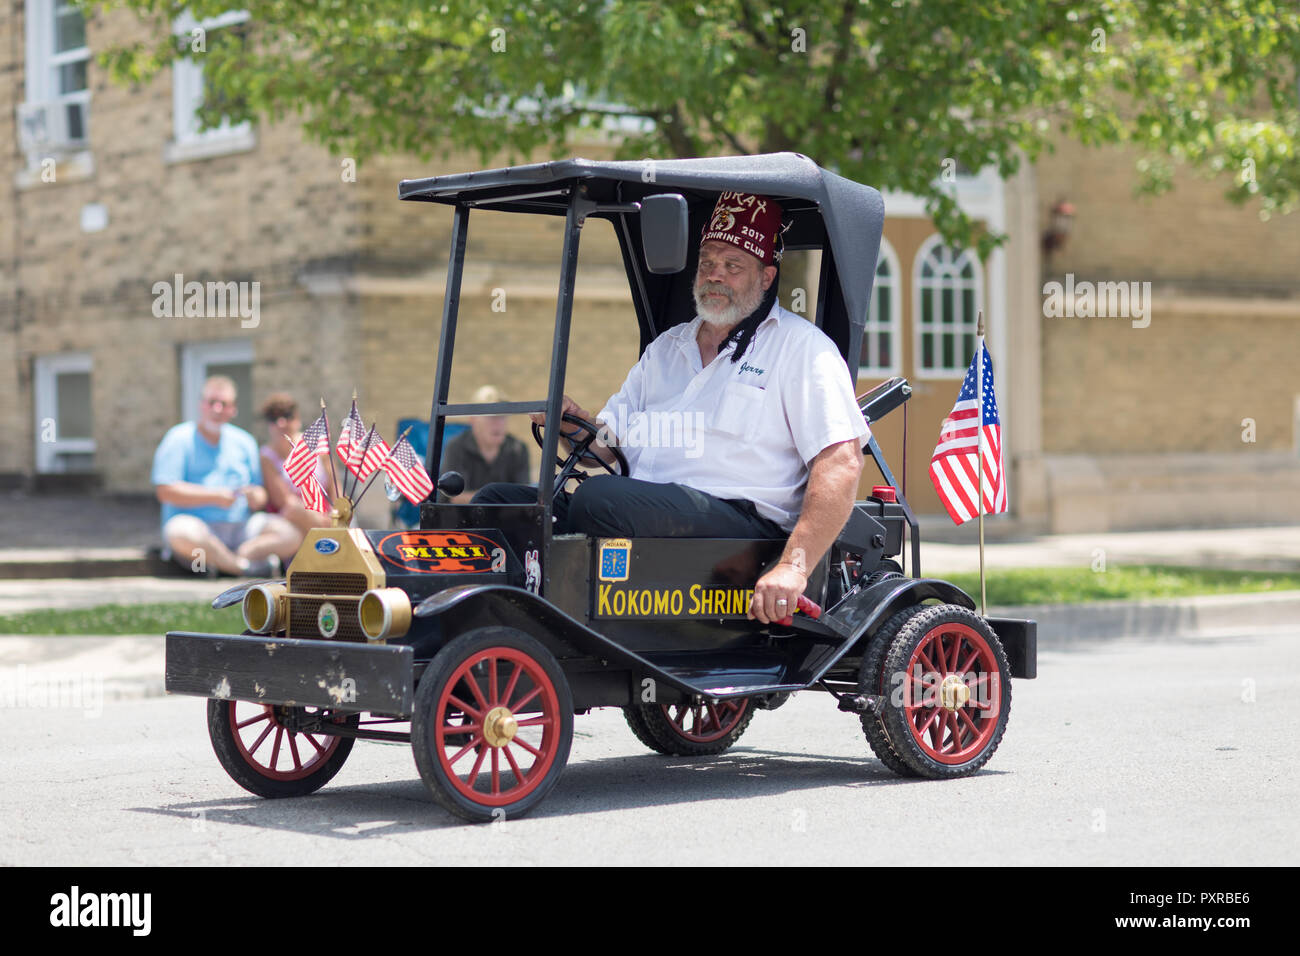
<point x="384" y="613"/>
<point x="265" y="607"/>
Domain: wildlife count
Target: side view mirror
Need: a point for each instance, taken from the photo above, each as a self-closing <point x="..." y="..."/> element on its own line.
<point x="665" y="226"/>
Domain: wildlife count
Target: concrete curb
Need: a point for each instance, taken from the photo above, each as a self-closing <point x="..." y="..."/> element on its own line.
<point x="1061" y="625"/>
<point x="33" y="563"/>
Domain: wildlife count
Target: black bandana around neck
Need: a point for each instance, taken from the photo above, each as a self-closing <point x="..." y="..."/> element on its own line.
<point x="743" y="333"/>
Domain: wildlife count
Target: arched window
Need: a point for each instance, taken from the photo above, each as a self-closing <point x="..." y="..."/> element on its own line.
<point x="881" y="343"/>
<point x="949" y="292"/>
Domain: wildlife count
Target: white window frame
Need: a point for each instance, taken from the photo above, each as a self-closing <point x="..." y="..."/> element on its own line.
<point x="43" y="63"/>
<point x="188" y="141"/>
<point x="46" y="405"/>
<point x="964" y="325"/>
<point x="892" y="323"/>
<point x="195" y="359"/>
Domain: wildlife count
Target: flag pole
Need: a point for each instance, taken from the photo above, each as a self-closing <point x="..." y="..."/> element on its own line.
<point x="979" y="450"/>
<point x="344" y="490"/>
<point x="365" y="449"/>
<point x="329" y="452"/>
<point x="380" y="467"/>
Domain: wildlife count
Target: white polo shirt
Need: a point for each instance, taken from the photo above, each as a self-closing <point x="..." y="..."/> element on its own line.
<point x="737" y="430"/>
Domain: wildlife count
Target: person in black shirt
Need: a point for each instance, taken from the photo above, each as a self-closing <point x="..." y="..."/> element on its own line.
<point x="485" y="453"/>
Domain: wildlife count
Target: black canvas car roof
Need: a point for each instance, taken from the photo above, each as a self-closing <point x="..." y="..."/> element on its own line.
<point x="823" y="210"/>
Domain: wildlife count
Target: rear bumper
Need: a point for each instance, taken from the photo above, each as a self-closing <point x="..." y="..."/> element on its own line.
<point x="1020" y="641"/>
<point x="277" y="670"/>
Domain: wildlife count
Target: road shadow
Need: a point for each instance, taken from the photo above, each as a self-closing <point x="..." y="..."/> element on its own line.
<point x="600" y="785"/>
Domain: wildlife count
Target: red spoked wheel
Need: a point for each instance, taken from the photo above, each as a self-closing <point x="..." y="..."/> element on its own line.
<point x="690" y="728"/>
<point x="493" y="724"/>
<point x="949" y="691"/>
<point x="259" y="751"/>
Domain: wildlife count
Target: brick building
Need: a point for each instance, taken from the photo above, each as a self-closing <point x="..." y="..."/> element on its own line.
<point x="111" y="193"/>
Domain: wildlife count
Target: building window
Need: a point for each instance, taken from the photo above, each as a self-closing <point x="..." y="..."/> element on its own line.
<point x="65" y="432"/>
<point x="189" y="141"/>
<point x="948" y="289"/>
<point x="880" y="336"/>
<point x="56" y="114"/>
<point x="232" y="358"/>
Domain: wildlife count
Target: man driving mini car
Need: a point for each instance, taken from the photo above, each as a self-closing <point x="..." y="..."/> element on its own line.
<point x="782" y="433"/>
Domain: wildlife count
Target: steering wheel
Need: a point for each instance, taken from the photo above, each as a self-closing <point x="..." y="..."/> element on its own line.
<point x="581" y="454"/>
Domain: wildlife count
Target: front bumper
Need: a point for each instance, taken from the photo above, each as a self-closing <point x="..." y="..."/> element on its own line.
<point x="340" y="675"/>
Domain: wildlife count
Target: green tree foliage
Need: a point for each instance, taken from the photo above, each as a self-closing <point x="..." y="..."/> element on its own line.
<point x="897" y="93"/>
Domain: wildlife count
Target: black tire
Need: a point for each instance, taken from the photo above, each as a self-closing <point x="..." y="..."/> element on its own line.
<point x="453" y="764"/>
<point x="871" y="680"/>
<point x="714" y="725"/>
<point x="943" y="734"/>
<point x="641" y="728"/>
<point x="265" y="757"/>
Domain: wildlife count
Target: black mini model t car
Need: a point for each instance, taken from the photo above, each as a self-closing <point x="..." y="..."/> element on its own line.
<point x="487" y="633"/>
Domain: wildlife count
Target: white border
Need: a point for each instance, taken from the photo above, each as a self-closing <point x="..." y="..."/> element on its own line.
<point x="932" y="242"/>
<point x="187" y="142"/>
<point x="895" y="319"/>
<point x="195" y="359"/>
<point x="46" y="405"/>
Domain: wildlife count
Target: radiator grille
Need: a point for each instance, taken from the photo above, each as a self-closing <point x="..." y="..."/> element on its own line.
<point x="303" y="610"/>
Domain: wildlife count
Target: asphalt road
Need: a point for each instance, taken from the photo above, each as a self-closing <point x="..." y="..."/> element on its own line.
<point x="1124" y="752"/>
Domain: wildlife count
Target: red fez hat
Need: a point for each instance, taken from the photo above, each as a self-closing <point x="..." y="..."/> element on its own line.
<point x="750" y="223"/>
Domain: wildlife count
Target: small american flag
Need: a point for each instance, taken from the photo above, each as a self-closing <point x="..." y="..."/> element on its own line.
<point x="351" y="439"/>
<point x="954" y="467"/>
<point x="376" y="451"/>
<point x="313" y="495"/>
<point x="407" y="472"/>
<point x="303" y="457"/>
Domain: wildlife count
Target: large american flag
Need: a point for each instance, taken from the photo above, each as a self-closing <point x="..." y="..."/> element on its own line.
<point x="407" y="472"/>
<point x="954" y="467"/>
<point x="301" y="461"/>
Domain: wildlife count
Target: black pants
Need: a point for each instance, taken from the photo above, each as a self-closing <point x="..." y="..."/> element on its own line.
<point x="610" y="506"/>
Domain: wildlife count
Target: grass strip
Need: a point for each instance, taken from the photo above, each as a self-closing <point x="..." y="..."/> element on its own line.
<point x="127" y="619"/>
<point x="1117" y="583"/>
<point x="1005" y="587"/>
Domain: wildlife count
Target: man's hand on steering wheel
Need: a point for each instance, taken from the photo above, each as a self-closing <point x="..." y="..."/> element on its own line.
<point x="567" y="407"/>
<point x="581" y="439"/>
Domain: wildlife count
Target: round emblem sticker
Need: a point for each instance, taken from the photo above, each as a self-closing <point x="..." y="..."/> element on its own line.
<point x="327" y="619"/>
<point x="327" y="546"/>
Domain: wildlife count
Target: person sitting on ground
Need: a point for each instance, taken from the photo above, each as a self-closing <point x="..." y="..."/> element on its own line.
<point x="485" y="453"/>
<point x="782" y="432"/>
<point x="284" y="430"/>
<point x="208" y="478"/>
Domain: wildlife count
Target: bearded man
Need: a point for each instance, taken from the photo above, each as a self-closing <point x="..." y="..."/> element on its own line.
<point x="766" y="391"/>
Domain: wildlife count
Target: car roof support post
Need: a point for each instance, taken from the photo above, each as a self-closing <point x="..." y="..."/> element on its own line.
<point x="447" y="338"/>
<point x="580" y="206"/>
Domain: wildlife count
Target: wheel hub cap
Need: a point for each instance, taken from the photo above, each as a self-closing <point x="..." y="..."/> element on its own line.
<point x="499" y="726"/>
<point x="953" y="692"/>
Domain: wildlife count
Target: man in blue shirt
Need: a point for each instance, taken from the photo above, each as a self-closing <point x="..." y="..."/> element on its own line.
<point x="208" y="476"/>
